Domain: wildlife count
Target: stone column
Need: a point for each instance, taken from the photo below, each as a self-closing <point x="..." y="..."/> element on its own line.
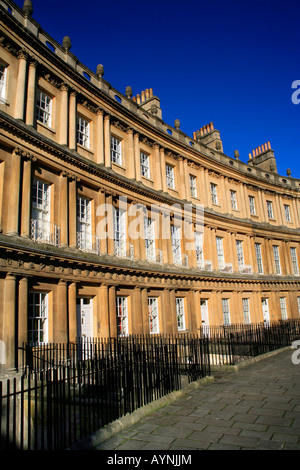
<point x="136" y="311"/>
<point x="64" y="121"/>
<point x="145" y="311"/>
<point x="30" y="109"/>
<point x="100" y="137"/>
<point x="110" y="225"/>
<point x="63" y="204"/>
<point x="26" y="195"/>
<point x="72" y="120"/>
<point x="197" y="311"/>
<point x="172" y="324"/>
<point x="101" y="221"/>
<point x="9" y="321"/>
<point x="14" y="193"/>
<point x="104" y="311"/>
<point x="137" y="157"/>
<point x="20" y="85"/>
<point x="113" y="333"/>
<point x="23" y="311"/>
<point x="73" y="212"/>
<point x="157" y="168"/>
<point x="2" y="195"/>
<point x="107" y="145"/>
<point x="163" y="169"/>
<point x="131" y="164"/>
<point x="182" y="192"/>
<point x="72" y="317"/>
<point x="60" y="314"/>
<point x="187" y="179"/>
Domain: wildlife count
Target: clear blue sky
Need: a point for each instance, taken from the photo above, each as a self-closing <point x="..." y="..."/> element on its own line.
<point x="230" y="62"/>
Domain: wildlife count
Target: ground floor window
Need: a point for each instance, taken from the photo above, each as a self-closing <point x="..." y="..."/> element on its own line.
<point x="180" y="314"/>
<point x="283" y="308"/>
<point x="38" y="317"/>
<point x="246" y="310"/>
<point x="122" y="316"/>
<point x="226" y="311"/>
<point x="153" y="315"/>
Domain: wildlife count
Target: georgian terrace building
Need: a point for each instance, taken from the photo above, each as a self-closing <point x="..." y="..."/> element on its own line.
<point x="81" y="163"/>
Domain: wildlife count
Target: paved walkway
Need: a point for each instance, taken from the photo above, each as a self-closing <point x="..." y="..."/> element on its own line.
<point x="256" y="407"/>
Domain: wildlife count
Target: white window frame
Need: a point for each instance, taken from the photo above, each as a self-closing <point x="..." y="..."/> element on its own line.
<point x="116" y="150"/>
<point x="3" y="82"/>
<point x="38" y="317"/>
<point x="41" y="209"/>
<point x="226" y="311"/>
<point x="214" y="193"/>
<point x="270" y="210"/>
<point x="119" y="231"/>
<point x="294" y="259"/>
<point x="276" y="257"/>
<point x="44" y="108"/>
<point x="233" y="199"/>
<point x="153" y="314"/>
<point x="170" y="176"/>
<point x="84" y="223"/>
<point x="283" y="309"/>
<point x="246" y="311"/>
<point x="179" y="302"/>
<point x="193" y="185"/>
<point x="149" y="230"/>
<point x="83" y="132"/>
<point x="259" y="260"/>
<point x="199" y="247"/>
<point x="145" y="165"/>
<point x="240" y="253"/>
<point x="287" y="213"/>
<point x="298" y="303"/>
<point x="220" y="252"/>
<point x="252" y="205"/>
<point x="122" y="315"/>
<point x="176" y="244"/>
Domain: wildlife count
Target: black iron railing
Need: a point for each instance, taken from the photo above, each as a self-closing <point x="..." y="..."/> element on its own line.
<point x="235" y="343"/>
<point x="69" y="391"/>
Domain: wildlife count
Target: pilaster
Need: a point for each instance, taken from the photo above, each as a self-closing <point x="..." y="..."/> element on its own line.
<point x="30" y="108"/>
<point x="20" y="85"/>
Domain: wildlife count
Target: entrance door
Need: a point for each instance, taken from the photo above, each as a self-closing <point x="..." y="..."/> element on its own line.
<point x="265" y="310"/>
<point x="85" y="317"/>
<point x="204" y="316"/>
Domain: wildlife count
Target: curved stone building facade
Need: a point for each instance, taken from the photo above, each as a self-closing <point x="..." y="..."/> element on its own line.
<point x="113" y="222"/>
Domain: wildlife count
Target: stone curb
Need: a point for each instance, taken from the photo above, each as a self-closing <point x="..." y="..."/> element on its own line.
<point x="129" y="419"/>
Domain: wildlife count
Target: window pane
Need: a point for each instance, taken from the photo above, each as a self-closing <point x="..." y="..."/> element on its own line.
<point x="116" y="150"/>
<point x="43" y="108"/>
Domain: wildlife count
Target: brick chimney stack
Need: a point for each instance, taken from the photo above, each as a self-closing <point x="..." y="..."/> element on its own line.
<point x="149" y="102"/>
<point x="209" y="136"/>
<point x="263" y="157"/>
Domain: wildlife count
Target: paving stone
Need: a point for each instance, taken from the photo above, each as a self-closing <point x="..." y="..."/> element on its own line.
<point x="153" y="438"/>
<point x="285" y="437"/>
<point x="254" y="426"/>
<point x="242" y="441"/>
<point x="262" y="435"/>
<point x="189" y="444"/>
<point x="222" y="430"/>
<point x="132" y="444"/>
<point x="177" y="432"/>
<point x="257" y="407"/>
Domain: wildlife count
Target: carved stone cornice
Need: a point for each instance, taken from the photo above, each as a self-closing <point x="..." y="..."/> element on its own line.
<point x="9" y="45"/>
<point x="24" y="154"/>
